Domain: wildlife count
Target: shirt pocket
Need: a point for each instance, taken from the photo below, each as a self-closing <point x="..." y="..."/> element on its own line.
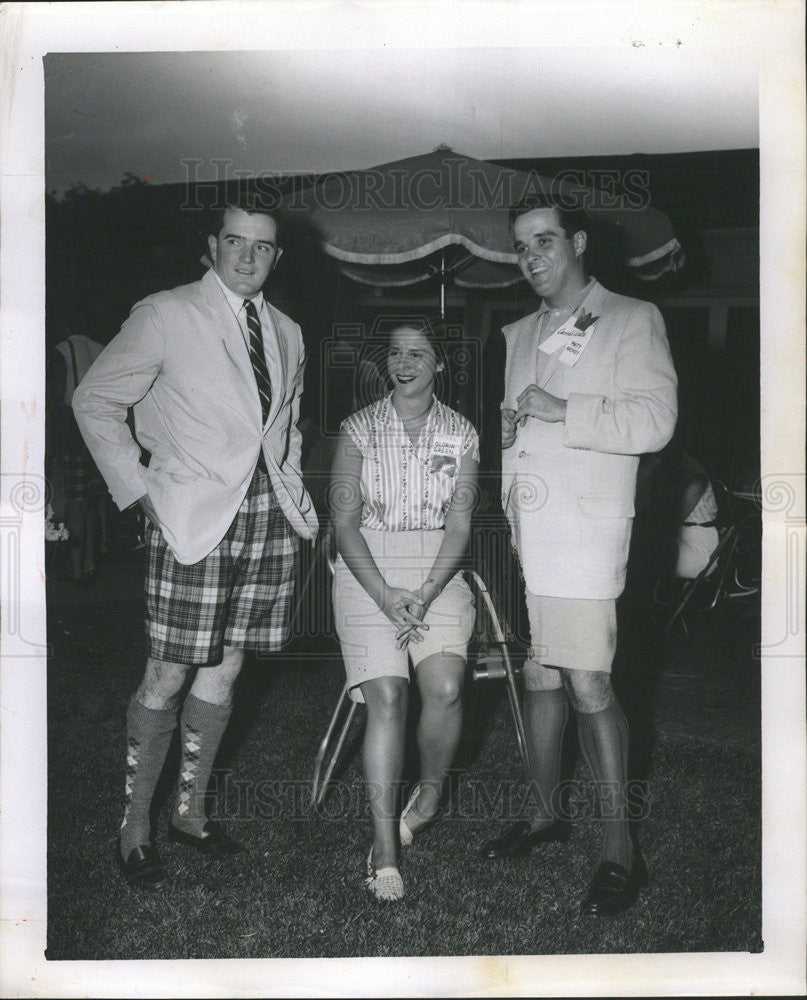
<point x="444" y="465"/>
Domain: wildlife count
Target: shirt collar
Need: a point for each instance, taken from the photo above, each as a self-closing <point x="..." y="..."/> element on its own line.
<point x="237" y="301"/>
<point x="387" y="412"/>
<point x="584" y="295"/>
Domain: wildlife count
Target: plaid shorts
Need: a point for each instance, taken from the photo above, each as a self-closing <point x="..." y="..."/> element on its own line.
<point x="239" y="595"/>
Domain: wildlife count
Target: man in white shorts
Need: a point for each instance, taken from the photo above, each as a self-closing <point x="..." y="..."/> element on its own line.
<point x="589" y="387"/>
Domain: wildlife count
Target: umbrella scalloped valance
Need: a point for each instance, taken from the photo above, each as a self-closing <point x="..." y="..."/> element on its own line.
<point x="382" y="223"/>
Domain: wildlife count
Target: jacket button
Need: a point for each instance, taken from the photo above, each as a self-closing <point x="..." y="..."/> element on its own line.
<point x="521" y="454"/>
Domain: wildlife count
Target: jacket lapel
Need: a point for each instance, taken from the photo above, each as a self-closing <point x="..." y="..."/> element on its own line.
<point x="283" y="354"/>
<point x="546" y="364"/>
<point x="233" y="339"/>
<point x="591" y="303"/>
<point x="237" y="350"/>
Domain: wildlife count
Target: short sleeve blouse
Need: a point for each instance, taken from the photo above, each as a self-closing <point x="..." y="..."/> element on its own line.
<point x="407" y="487"/>
<point x="705" y="510"/>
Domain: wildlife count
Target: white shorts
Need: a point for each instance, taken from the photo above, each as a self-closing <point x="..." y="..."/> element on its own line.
<point x="575" y="634"/>
<point x="367" y="636"/>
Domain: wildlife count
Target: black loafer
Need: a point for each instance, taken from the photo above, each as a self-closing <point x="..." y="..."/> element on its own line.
<point x="614" y="888"/>
<point x="517" y="840"/>
<point x="142" y="869"/>
<point x="214" y="842"/>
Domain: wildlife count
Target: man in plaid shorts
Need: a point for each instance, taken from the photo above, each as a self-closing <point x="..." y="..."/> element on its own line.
<point x="214" y="375"/>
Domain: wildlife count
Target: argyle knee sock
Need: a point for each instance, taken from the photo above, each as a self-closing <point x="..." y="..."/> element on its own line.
<point x="545" y="716"/>
<point x="148" y="737"/>
<point x="604" y="738"/>
<point x="202" y="726"/>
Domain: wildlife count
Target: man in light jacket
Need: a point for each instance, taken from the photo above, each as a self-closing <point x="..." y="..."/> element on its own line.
<point x="589" y="387"/>
<point x="214" y="375"/>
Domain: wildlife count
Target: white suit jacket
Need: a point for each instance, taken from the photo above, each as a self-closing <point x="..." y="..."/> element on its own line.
<point x="568" y="488"/>
<point x="181" y="361"/>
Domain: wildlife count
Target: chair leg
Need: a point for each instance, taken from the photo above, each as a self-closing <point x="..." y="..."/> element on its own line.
<point x="738" y="588"/>
<point x="721" y="560"/>
<point x="512" y="693"/>
<point x="686" y="595"/>
<point x="515" y="708"/>
<point x="320" y="781"/>
<point x="727" y="564"/>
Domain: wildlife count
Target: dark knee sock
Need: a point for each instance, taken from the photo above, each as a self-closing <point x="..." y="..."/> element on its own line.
<point x="148" y="736"/>
<point x="545" y="716"/>
<point x="202" y="727"/>
<point x="604" y="738"/>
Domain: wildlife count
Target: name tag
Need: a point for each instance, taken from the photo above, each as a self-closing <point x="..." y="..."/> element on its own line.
<point x="446" y="454"/>
<point x="572" y="338"/>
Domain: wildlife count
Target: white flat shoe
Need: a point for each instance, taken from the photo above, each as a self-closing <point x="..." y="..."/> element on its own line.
<point x="383" y="884"/>
<point x="404" y="832"/>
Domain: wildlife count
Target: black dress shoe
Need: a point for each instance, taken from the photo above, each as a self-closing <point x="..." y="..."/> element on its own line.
<point x="614" y="888"/>
<point x="518" y="840"/>
<point x="142" y="869"/>
<point x="213" y="842"/>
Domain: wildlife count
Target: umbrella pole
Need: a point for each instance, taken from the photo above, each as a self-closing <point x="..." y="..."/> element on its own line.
<point x="442" y="286"/>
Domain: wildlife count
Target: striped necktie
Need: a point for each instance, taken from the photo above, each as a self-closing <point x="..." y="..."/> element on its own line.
<point x="258" y="358"/>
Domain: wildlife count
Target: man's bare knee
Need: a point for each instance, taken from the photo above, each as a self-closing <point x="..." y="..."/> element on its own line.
<point x="589" y="691"/>
<point x="162" y="684"/>
<point x="537" y="677"/>
<point x="215" y="684"/>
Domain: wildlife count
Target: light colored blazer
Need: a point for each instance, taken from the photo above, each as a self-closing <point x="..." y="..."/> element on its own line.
<point x="568" y="488"/>
<point x="181" y="361"/>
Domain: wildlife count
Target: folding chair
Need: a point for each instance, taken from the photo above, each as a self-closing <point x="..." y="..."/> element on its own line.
<point x="710" y="586"/>
<point x="746" y="575"/>
<point x="491" y="661"/>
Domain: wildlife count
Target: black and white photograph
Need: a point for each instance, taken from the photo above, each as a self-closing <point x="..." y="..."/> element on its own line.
<point x="353" y="357"/>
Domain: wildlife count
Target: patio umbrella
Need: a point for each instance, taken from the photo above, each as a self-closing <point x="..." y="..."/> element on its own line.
<point x="445" y="214"/>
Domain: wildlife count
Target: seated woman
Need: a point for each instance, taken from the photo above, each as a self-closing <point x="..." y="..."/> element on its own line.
<point x="678" y="488"/>
<point x="403" y="482"/>
<point x="697" y="533"/>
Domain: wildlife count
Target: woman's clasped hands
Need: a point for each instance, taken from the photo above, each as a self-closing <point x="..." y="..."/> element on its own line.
<point x="405" y="609"/>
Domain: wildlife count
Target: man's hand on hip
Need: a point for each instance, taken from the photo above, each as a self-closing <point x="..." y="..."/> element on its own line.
<point x="148" y="509"/>
<point x="508" y="428"/>
<point x="538" y="403"/>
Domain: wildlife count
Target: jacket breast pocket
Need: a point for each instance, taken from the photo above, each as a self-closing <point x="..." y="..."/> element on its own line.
<point x="606" y="506"/>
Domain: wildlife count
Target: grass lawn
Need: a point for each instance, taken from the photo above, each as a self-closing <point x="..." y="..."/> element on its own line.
<point x="298" y="892"/>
